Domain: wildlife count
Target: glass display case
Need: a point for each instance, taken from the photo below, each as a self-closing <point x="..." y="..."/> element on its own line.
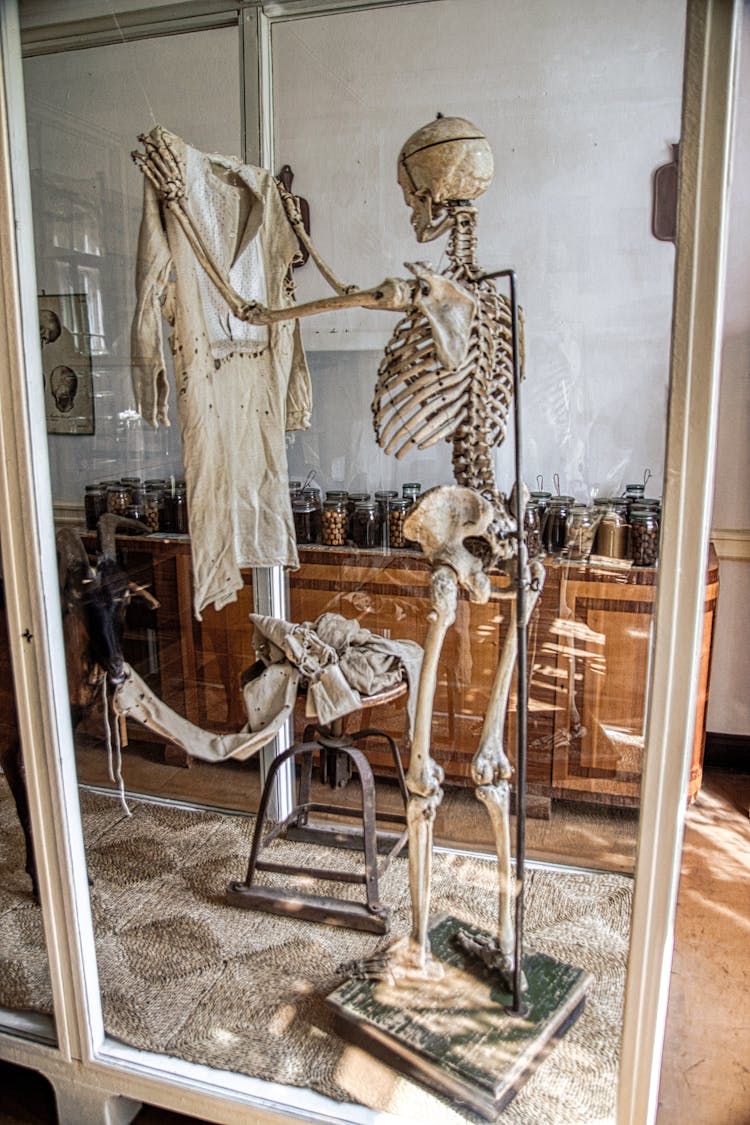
<point x="157" y="971"/>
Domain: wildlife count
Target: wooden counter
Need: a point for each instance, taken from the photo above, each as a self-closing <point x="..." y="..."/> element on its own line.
<point x="589" y="650"/>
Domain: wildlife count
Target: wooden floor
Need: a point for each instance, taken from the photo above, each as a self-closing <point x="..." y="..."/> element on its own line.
<point x="706" y="1068"/>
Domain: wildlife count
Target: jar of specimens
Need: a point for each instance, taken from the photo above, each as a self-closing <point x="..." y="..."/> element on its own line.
<point x="367" y="525"/>
<point x="94" y="503"/>
<point x="542" y="499"/>
<point x="532" y="529"/>
<point x="119" y="498"/>
<point x="304" y="514"/>
<point x="335" y="521"/>
<point x="612" y="533"/>
<point x="313" y="495"/>
<point x="580" y="531"/>
<point x="396" y="516"/>
<point x="555" y="528"/>
<point x="644" y="536"/>
<point x="384" y="499"/>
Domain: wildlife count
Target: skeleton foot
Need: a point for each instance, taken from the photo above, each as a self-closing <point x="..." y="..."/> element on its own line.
<point x="404" y="962"/>
<point x="492" y="957"/>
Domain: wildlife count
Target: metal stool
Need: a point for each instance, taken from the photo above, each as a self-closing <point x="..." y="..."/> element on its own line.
<point x="331" y="742"/>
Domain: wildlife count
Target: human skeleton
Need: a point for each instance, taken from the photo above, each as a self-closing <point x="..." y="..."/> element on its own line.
<point x="447" y="373"/>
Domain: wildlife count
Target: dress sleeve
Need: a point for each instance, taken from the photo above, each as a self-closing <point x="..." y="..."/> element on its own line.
<point x="154" y="301"/>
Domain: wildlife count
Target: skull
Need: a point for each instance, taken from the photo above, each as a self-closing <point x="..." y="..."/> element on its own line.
<point x="453" y="526"/>
<point x="448" y="159"/>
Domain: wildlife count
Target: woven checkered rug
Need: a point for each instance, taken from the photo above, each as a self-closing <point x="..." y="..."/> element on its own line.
<point x="184" y="974"/>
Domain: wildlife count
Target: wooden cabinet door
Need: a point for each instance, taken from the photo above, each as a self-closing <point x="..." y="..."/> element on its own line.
<point x="602" y="637"/>
<point x="390" y="595"/>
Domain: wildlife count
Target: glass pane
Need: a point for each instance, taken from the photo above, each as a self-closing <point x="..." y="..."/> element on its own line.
<point x="576" y="144"/>
<point x="25" y="986"/>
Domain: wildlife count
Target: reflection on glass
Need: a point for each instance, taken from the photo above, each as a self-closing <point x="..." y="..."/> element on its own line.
<point x="575" y="146"/>
<point x="25" y="985"/>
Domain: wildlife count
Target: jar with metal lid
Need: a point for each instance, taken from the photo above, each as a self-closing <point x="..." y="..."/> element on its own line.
<point x="555" y="527"/>
<point x="411" y="490"/>
<point x="396" y="516"/>
<point x="135" y="512"/>
<point x="153" y="507"/>
<point x="532" y="529"/>
<point x="316" y="523"/>
<point x="367" y="525"/>
<point x="613" y="531"/>
<point x="384" y="498"/>
<point x="335" y="521"/>
<point x="119" y="498"/>
<point x="354" y="499"/>
<point x="644" y="536"/>
<point x="580" y="531"/>
<point x="175" y="509"/>
<point x="94" y="504"/>
<point x="337" y="494"/>
<point x="542" y="499"/>
<point x="304" y="514"/>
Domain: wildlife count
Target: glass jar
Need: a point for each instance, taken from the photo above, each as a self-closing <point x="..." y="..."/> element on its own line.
<point x="367" y="525"/>
<point x="411" y="490"/>
<point x="554" y="529"/>
<point x="119" y="498"/>
<point x="580" y="531"/>
<point x="644" y="536"/>
<point x="316" y="520"/>
<point x="304" y="515"/>
<point x="354" y="499"/>
<point x="335" y="521"/>
<point x="612" y="533"/>
<point x="542" y="499"/>
<point x="153" y="508"/>
<point x="396" y="516"/>
<point x="175" y="509"/>
<point x="135" y="512"/>
<point x="384" y="498"/>
<point x="532" y="529"/>
<point x="94" y="503"/>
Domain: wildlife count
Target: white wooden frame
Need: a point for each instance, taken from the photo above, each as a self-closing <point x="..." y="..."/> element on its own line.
<point x="90" y="1072"/>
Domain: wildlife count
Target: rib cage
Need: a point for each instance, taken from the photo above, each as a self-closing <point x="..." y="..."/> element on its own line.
<point x="418" y="402"/>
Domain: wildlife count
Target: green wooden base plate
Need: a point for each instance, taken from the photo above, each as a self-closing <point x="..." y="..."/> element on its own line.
<point x="457" y="1035"/>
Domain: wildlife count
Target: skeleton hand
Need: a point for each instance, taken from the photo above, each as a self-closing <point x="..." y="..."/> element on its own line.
<point x="253" y="312"/>
<point x="161" y="164"/>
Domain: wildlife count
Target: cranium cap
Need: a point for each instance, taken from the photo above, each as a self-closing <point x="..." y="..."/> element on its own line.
<point x="449" y="159"/>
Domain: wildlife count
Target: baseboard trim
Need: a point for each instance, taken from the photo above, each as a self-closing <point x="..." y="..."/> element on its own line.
<point x="727" y="751"/>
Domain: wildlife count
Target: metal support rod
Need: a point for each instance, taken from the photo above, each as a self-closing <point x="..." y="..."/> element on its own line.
<point x="521" y="632"/>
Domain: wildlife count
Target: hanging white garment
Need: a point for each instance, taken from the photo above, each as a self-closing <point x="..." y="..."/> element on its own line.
<point x="239" y="387"/>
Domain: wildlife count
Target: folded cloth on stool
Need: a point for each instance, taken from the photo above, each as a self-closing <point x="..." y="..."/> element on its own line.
<point x="338" y="659"/>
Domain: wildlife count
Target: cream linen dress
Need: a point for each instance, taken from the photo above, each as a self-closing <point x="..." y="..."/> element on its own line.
<point x="239" y="386"/>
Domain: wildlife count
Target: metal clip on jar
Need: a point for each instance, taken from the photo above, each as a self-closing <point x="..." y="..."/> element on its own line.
<point x="644" y="536"/>
<point x="335" y="521"/>
<point x="366" y="525"/>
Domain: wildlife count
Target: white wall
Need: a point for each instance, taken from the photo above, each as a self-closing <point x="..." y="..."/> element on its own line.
<point x="580" y="103"/>
<point x="729" y="703"/>
<point x="85" y="110"/>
